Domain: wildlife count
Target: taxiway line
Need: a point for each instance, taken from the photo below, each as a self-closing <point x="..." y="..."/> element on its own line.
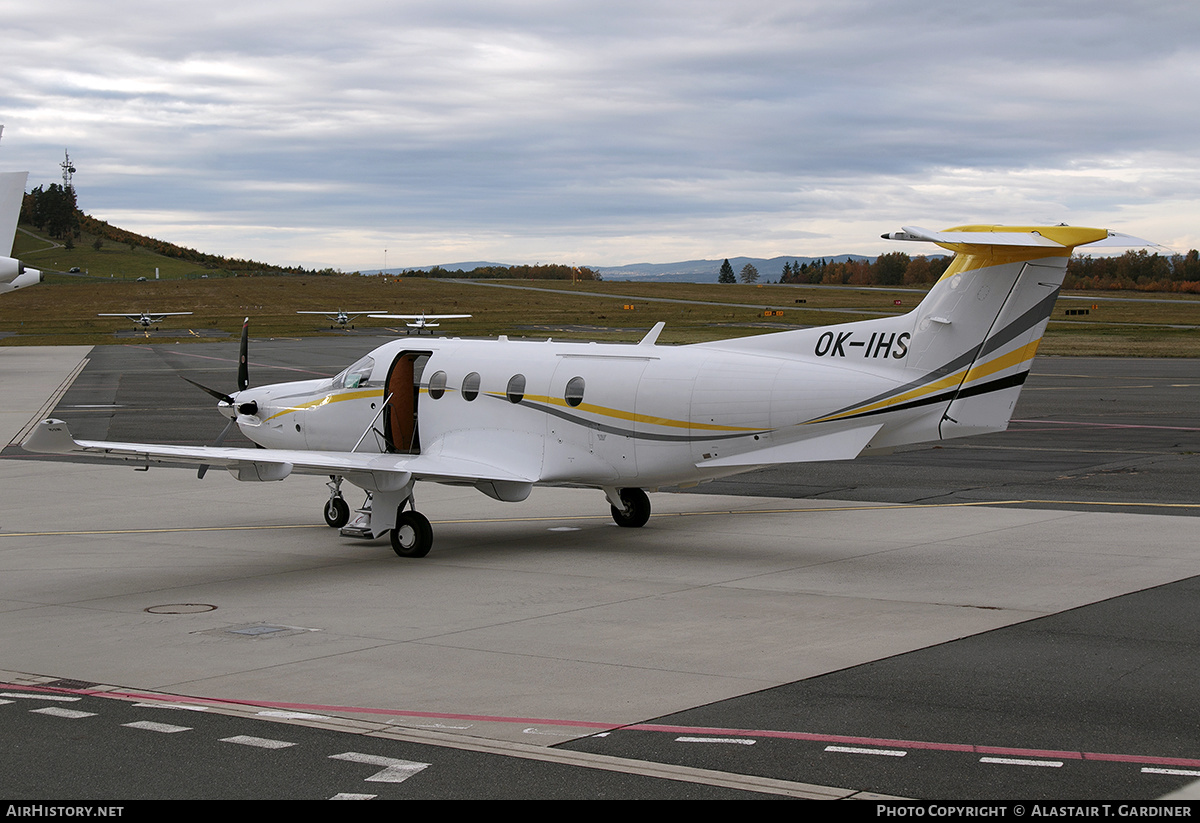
<point x="658" y="515"/>
<point x="477" y="744"/>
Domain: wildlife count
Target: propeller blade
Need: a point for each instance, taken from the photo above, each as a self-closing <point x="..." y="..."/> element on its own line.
<point x="218" y="395"/>
<point x="220" y="439"/>
<point x="250" y="408"/>
<point x="243" y="370"/>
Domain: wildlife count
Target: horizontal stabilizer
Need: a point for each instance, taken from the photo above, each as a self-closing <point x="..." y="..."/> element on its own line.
<point x="840" y="445"/>
<point x="981" y="238"/>
<point x="1029" y="237"/>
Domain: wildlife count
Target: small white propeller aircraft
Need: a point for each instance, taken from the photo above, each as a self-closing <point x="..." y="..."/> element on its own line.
<point x="420" y="321"/>
<point x="506" y="415"/>
<point x="342" y="318"/>
<point x="13" y="273"/>
<point x="145" y="319"/>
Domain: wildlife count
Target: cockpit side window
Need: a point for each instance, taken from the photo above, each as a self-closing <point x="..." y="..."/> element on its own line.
<point x="356" y="376"/>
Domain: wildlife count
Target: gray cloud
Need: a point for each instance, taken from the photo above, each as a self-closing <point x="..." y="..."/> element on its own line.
<point x="604" y="132"/>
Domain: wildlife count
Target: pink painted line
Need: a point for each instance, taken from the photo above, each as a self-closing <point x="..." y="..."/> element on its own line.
<point x="970" y="748"/>
<point x="1111" y="425"/>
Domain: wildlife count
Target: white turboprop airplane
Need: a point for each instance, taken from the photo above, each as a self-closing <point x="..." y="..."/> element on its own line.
<point x="420" y="321"/>
<point x="506" y="415"/>
<point x="147" y="319"/>
<point x="13" y="273"/>
<point x="342" y="318"/>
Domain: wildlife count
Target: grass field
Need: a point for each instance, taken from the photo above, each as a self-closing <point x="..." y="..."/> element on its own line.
<point x="63" y="310"/>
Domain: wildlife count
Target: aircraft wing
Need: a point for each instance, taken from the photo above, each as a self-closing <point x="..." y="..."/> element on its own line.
<point x="387" y="470"/>
<point x="420" y="316"/>
<point x="154" y="318"/>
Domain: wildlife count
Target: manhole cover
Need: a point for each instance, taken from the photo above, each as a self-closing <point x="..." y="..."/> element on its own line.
<point x="181" y="608"/>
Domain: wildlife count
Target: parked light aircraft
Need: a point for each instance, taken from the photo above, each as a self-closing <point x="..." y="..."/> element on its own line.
<point x="506" y="415"/>
<point x="13" y="273"/>
<point x="420" y="321"/>
<point x="147" y="319"/>
<point x="342" y="318"/>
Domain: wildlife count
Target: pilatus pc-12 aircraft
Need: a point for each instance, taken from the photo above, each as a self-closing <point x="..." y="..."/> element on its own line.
<point x="507" y="415"/>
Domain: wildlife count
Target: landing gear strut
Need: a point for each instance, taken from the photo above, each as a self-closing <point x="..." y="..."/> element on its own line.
<point x="634" y="510"/>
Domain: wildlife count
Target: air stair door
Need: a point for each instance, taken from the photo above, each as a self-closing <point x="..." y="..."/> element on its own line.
<point x="403" y="390"/>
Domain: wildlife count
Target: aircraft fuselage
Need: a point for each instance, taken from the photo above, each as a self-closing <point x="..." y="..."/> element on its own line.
<point x="572" y="413"/>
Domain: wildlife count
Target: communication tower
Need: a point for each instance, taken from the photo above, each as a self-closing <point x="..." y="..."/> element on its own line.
<point x="67" y="169"/>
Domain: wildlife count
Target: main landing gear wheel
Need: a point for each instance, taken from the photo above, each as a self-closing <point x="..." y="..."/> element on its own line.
<point x="413" y="536"/>
<point x="337" y="513"/>
<point x="636" y="511"/>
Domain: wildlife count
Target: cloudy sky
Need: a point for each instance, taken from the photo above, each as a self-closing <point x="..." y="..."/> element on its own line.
<point x="604" y="133"/>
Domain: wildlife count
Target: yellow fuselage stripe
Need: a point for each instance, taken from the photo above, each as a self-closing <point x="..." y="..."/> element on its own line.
<point x="327" y="399"/>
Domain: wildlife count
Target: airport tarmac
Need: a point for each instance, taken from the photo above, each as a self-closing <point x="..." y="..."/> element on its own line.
<point x="542" y="625"/>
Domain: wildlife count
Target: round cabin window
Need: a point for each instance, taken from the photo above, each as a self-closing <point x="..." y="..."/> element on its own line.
<point x="470" y="387"/>
<point x="437" y="384"/>
<point x="574" y="393"/>
<point x="516" y="388"/>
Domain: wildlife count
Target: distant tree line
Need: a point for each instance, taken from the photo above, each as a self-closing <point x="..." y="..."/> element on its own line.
<point x="1136" y="271"/>
<point x="549" y="271"/>
<point x="891" y="269"/>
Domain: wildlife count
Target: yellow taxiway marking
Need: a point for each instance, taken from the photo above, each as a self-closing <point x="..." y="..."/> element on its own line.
<point x="657" y="515"/>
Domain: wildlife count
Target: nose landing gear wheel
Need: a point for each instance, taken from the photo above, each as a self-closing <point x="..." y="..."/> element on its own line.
<point x="337" y="513"/>
<point x="636" y="511"/>
<point x="413" y="536"/>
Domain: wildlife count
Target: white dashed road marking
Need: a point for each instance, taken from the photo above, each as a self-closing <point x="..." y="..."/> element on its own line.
<point x="855" y="750"/>
<point x="55" y="711"/>
<point x="261" y="742"/>
<point x="1013" y="761"/>
<point x="150" y="726"/>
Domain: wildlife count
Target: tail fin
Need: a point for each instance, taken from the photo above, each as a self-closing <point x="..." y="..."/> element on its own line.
<point x="954" y="365"/>
<point x="976" y="332"/>
<point x="12" y="191"/>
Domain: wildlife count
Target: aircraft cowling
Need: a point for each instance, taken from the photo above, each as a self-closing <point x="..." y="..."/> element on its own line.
<point x="14" y="275"/>
<point x="10" y="269"/>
